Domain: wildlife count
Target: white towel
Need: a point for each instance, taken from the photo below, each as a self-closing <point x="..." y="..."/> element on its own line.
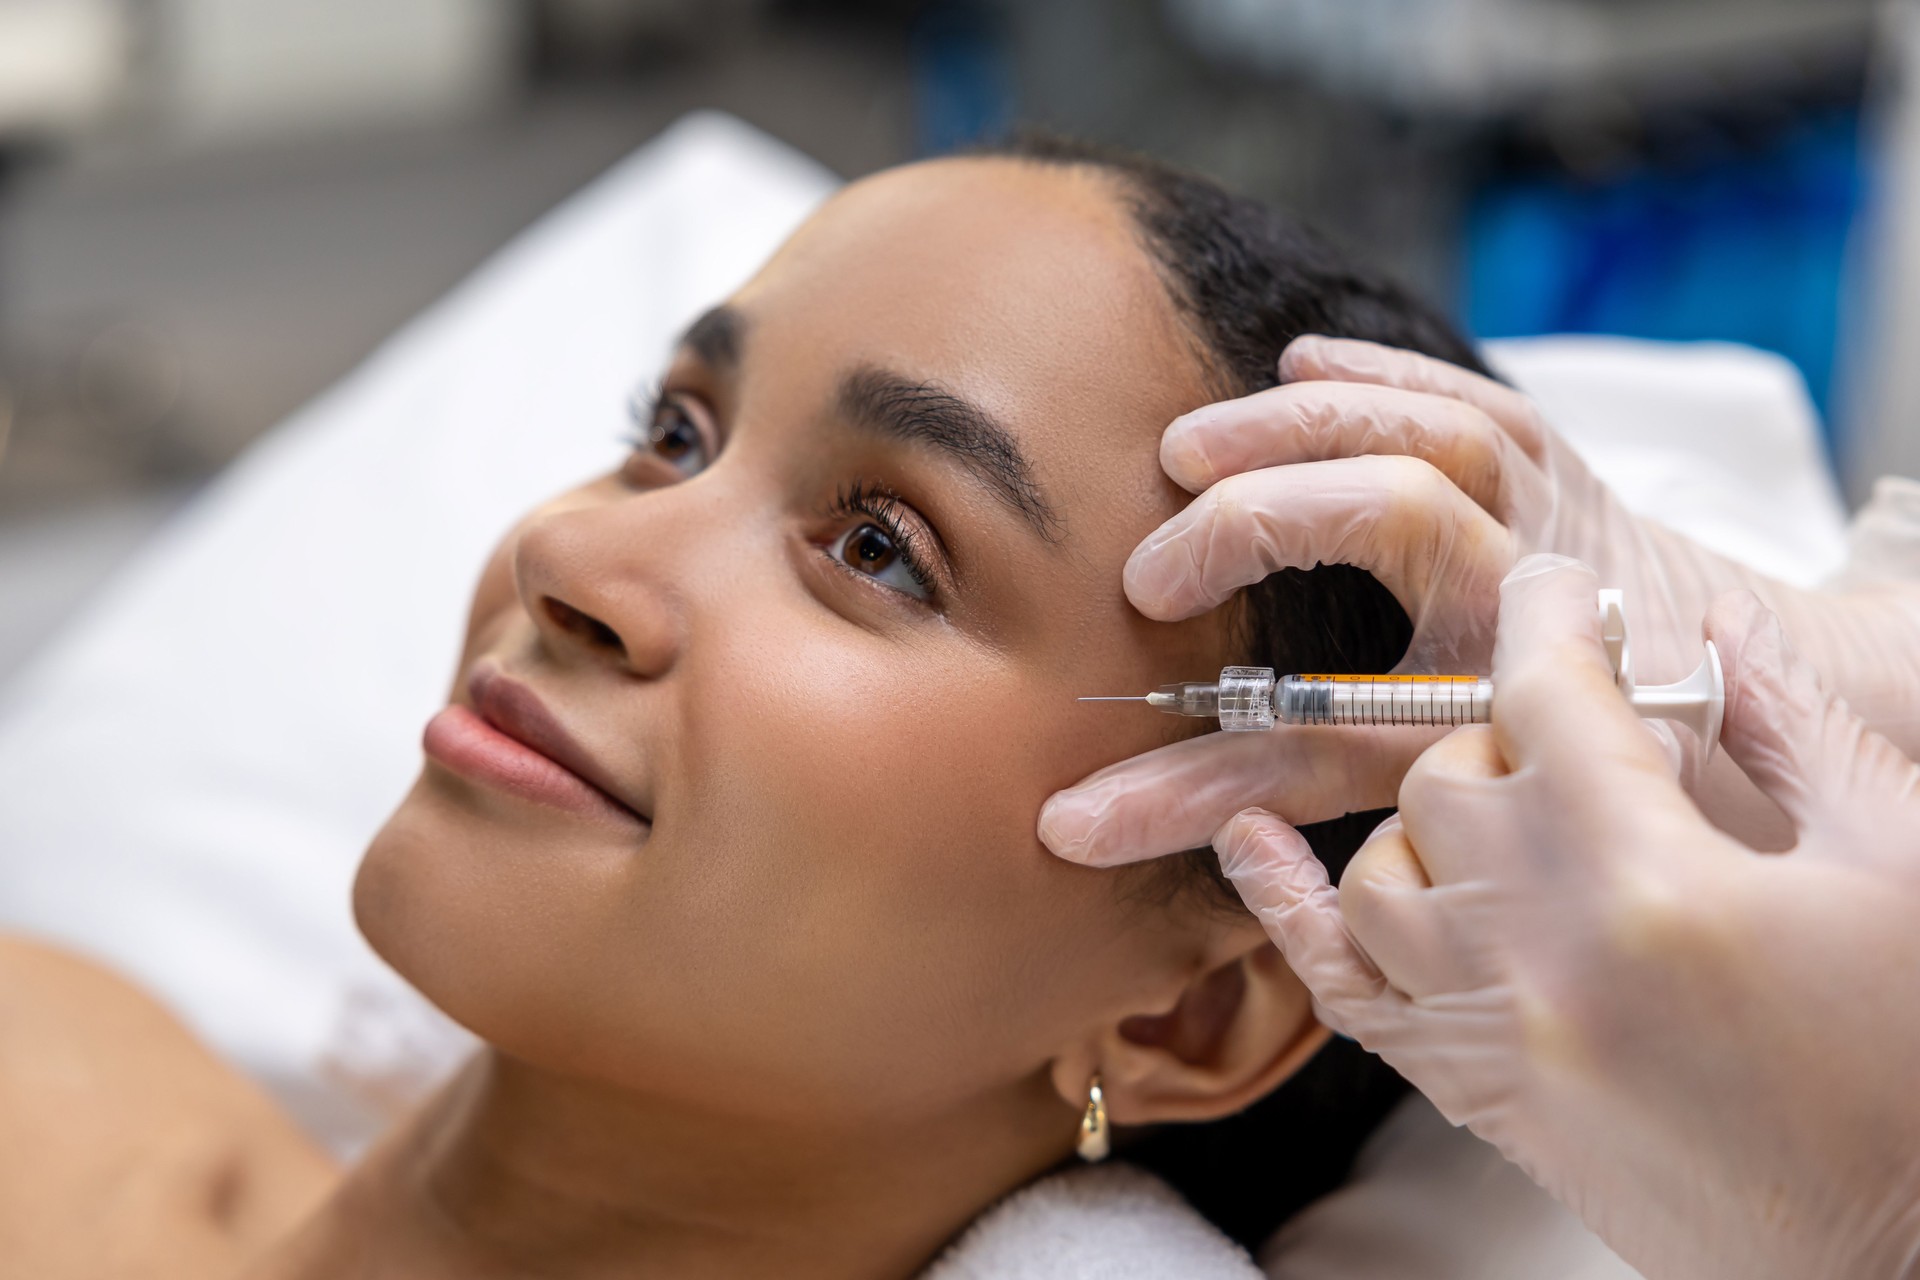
<point x="1102" y="1222"/>
<point x="1427" y="1202"/>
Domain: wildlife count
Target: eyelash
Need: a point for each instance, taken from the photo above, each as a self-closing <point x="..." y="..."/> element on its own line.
<point x="881" y="505"/>
<point x="643" y="407"/>
<point x="861" y="499"/>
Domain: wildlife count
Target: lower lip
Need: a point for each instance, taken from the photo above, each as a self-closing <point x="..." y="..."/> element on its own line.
<point x="474" y="749"/>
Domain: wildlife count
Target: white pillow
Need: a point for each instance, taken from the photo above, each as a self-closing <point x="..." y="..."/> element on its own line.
<point x="189" y="773"/>
<point x="1720" y="442"/>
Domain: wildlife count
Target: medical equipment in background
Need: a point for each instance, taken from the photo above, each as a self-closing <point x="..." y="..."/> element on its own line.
<point x="1254" y="699"/>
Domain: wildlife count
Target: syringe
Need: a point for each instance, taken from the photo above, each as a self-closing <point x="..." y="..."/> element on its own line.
<point x="1250" y="699"/>
<point x="1246" y="699"/>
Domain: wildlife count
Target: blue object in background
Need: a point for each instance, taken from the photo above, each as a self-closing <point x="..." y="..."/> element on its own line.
<point x="1749" y="248"/>
<point x="962" y="84"/>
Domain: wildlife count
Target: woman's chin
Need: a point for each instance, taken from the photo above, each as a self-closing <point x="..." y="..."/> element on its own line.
<point x="484" y="917"/>
<point x="433" y="890"/>
<point x="392" y="889"/>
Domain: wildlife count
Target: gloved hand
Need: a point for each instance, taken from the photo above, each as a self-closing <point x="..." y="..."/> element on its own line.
<point x="1436" y="480"/>
<point x="1707" y="1053"/>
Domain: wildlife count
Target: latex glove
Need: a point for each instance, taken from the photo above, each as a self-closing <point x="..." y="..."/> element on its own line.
<point x="1436" y="480"/>
<point x="1410" y="467"/>
<point x="1707" y="1053"/>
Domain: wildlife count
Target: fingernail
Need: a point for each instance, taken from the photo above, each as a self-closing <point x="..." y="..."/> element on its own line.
<point x="1155" y="572"/>
<point x="1301" y="350"/>
<point x="1063" y="828"/>
<point x="1775" y="631"/>
<point x="1230" y="842"/>
<point x="1183" y="454"/>
<point x="1233" y="829"/>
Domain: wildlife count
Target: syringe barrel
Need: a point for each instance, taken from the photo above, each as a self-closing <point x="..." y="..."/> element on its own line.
<point x="1394" y="700"/>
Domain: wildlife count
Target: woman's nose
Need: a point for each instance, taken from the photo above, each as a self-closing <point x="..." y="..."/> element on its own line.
<point x="594" y="597"/>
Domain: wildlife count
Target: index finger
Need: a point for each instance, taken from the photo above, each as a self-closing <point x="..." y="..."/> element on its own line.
<point x="1396" y="517"/>
<point x="1318" y="421"/>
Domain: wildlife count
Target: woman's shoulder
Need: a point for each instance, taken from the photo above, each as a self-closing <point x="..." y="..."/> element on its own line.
<point x="126" y="1146"/>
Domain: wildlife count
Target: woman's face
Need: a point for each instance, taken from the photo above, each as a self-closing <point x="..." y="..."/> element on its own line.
<point x="809" y="659"/>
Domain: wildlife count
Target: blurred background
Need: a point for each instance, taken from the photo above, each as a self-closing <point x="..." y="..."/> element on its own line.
<point x="210" y="209"/>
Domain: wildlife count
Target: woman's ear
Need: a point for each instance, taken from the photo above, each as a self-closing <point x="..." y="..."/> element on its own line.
<point x="1242" y="1024"/>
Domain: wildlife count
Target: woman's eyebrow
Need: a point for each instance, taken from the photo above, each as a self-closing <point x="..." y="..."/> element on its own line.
<point x="924" y="413"/>
<point x="715" y="338"/>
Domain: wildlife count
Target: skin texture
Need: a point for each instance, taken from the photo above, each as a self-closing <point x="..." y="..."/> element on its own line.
<point x="830" y="996"/>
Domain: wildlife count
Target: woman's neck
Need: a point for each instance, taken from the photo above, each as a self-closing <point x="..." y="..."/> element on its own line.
<point x="510" y="1171"/>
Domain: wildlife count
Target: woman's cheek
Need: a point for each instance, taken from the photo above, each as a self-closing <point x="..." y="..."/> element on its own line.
<point x="867" y="785"/>
<point x="922" y="801"/>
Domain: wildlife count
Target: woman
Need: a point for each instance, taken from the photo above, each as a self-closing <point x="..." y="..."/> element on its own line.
<point x="725" y="843"/>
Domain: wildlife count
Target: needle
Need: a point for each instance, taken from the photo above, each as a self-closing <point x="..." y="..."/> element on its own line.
<point x="1130" y="698"/>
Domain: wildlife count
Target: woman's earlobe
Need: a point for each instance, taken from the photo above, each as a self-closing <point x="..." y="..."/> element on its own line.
<point x="1237" y="1031"/>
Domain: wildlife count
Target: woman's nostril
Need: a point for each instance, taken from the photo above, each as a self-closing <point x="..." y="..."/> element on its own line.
<point x="584" y="625"/>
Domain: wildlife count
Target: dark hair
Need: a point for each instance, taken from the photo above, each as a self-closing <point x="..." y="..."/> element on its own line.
<point x="1247" y="280"/>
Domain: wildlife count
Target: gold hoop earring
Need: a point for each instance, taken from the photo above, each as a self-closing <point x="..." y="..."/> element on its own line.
<point x="1096" y="1139"/>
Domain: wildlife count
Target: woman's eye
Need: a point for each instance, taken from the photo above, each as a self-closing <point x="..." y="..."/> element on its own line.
<point x="674" y="438"/>
<point x="869" y="549"/>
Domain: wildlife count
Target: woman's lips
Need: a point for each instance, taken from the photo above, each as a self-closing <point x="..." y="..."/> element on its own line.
<point x="472" y="745"/>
